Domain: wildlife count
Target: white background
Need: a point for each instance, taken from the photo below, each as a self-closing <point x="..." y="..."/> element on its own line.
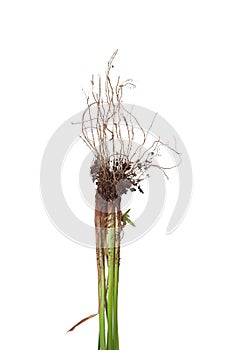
<point x="175" y="291"/>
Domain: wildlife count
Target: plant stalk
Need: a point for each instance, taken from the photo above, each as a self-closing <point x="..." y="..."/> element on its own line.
<point x="116" y="275"/>
<point x="101" y="272"/>
<point x="111" y="266"/>
<point x="115" y="301"/>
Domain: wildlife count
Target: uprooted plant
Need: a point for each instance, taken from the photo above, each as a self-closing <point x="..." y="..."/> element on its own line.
<point x="120" y="164"/>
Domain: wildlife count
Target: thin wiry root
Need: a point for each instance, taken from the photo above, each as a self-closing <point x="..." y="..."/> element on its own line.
<point x="118" y="166"/>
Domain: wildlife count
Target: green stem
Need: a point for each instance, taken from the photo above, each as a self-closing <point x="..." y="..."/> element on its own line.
<point x="111" y="265"/>
<point x="100" y="257"/>
<point x="115" y="298"/>
<point x="102" y="287"/>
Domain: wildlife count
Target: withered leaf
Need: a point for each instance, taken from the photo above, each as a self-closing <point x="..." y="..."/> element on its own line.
<point x="82" y="321"/>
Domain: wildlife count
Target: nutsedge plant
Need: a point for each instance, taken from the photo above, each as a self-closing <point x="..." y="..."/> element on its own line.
<point x="119" y="165"/>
